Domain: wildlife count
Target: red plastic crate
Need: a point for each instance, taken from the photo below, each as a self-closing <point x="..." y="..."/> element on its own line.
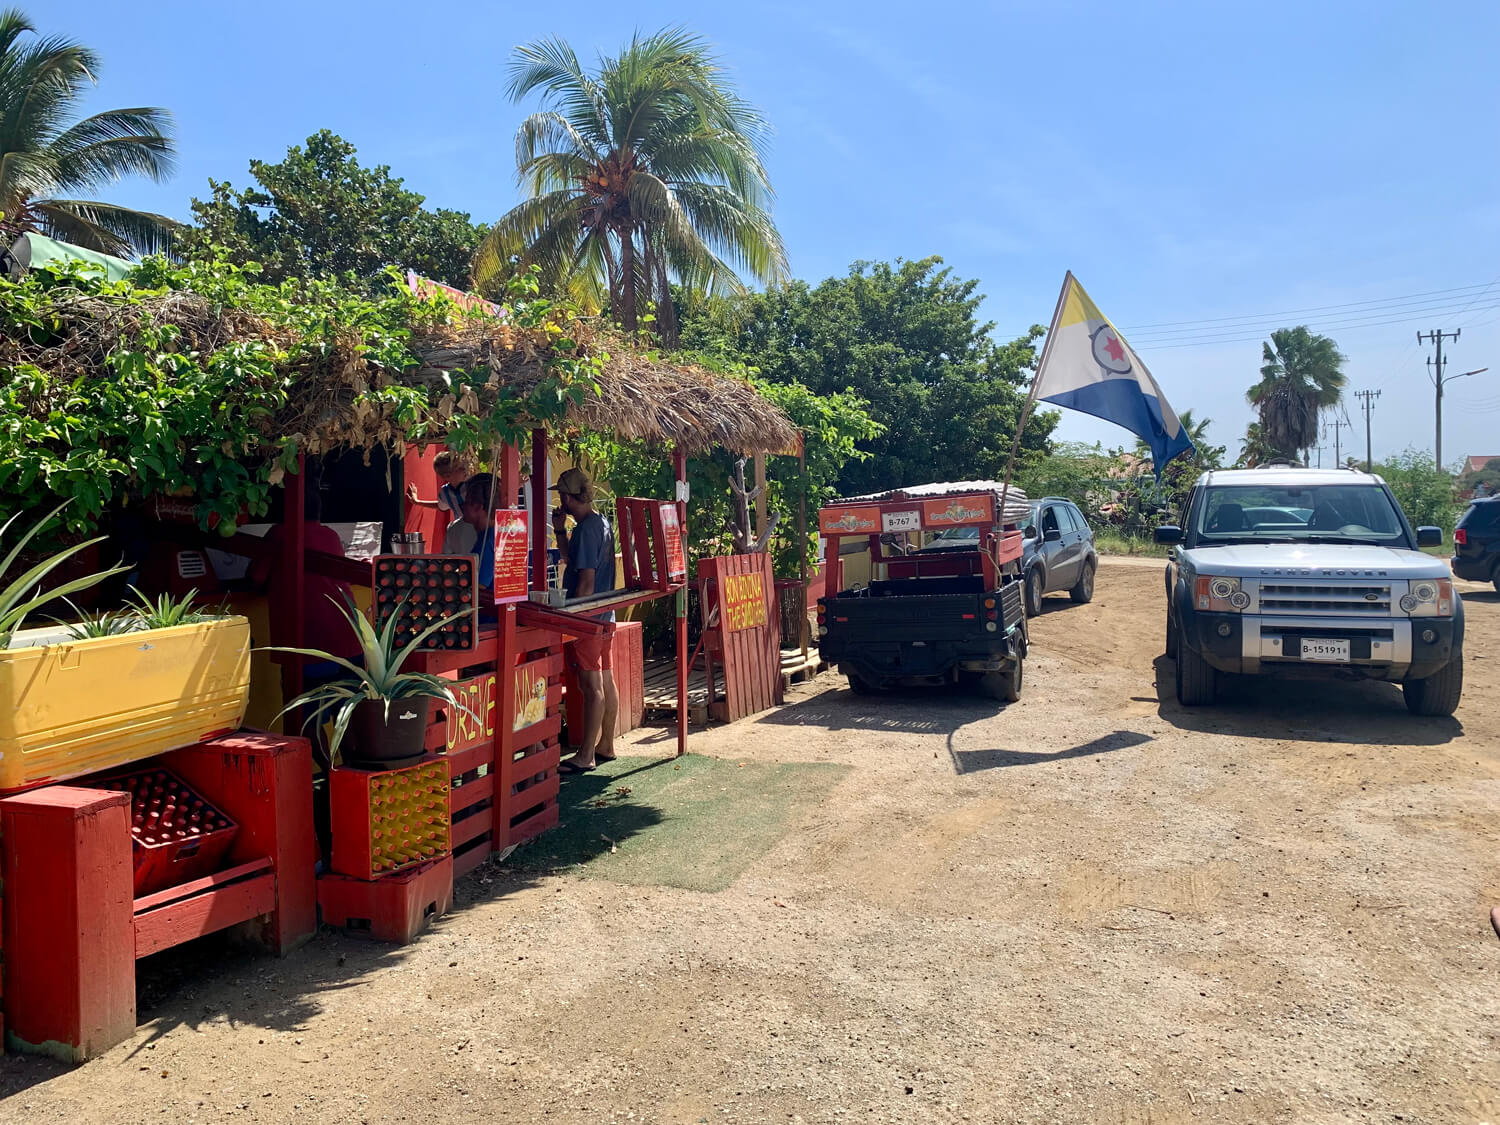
<point x="389" y="820"/>
<point x="176" y="835"/>
<point x="432" y="587"/>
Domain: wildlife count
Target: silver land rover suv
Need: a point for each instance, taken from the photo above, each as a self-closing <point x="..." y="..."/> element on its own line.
<point x="1309" y="572"/>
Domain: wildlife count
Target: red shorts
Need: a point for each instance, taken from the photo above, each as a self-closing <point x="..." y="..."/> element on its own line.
<point x="593" y="654"/>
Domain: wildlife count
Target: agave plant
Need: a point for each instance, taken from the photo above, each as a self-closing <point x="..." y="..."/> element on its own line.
<point x="381" y="678"/>
<point x="25" y="594"/>
<point x="109" y="623"/>
<point x="163" y="611"/>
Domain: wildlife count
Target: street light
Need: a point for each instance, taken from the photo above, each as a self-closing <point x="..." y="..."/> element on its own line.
<point x="1439" y="381"/>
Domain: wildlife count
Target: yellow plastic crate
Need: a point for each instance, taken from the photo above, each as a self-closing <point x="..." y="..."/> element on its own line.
<point x="70" y="707"/>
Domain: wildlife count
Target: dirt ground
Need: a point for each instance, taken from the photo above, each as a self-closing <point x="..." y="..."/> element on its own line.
<point x="1089" y="907"/>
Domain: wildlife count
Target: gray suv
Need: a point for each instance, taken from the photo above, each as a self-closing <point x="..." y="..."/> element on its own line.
<point x="1058" y="554"/>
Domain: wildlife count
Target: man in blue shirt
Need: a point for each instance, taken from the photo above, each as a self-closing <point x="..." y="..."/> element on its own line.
<point x="479" y="513"/>
<point x="590" y="555"/>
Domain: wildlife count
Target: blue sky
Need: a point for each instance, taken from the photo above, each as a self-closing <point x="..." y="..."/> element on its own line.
<point x="1189" y="162"/>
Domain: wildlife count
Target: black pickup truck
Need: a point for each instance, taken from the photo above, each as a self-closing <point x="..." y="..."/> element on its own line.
<point x="941" y="615"/>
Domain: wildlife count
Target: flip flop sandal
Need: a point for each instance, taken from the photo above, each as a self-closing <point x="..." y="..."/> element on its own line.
<point x="569" y="769"/>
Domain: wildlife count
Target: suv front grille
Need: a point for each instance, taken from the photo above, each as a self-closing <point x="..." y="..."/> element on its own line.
<point x="1319" y="598"/>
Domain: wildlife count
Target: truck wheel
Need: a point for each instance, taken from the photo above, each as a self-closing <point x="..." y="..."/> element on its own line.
<point x="1034" y="591"/>
<point x="1004" y="685"/>
<point x="858" y="684"/>
<point x="1197" y="679"/>
<point x="1083" y="593"/>
<point x="1439" y="693"/>
<point x="1171" y="636"/>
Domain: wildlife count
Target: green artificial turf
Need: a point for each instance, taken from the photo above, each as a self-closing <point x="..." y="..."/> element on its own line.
<point x="693" y="822"/>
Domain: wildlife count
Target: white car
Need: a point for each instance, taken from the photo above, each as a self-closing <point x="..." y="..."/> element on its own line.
<point x="1309" y="572"/>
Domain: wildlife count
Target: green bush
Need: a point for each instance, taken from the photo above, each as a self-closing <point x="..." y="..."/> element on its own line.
<point x="1426" y="493"/>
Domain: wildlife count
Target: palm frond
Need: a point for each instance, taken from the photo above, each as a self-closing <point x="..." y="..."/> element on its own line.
<point x="113" y="144"/>
<point x="106" y="227"/>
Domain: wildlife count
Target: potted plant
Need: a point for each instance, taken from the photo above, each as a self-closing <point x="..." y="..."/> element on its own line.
<point x="388" y="708"/>
<point x="114" y="688"/>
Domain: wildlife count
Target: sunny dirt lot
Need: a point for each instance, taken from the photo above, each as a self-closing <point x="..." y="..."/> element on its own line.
<point x="1091" y="907"/>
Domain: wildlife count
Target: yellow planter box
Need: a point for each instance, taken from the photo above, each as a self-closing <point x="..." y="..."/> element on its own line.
<point x="71" y="707"/>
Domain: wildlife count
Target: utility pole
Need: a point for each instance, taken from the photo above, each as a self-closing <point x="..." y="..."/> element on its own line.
<point x="1435" y="373"/>
<point x="1338" y="425"/>
<point x="1367" y="402"/>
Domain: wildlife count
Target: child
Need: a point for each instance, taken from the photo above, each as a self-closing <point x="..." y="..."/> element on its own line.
<point x="452" y="471"/>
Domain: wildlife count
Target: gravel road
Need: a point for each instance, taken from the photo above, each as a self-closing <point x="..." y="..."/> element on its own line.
<point x="1089" y="907"/>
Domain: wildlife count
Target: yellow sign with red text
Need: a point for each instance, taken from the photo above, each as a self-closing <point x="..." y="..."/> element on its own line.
<point x="744" y="602"/>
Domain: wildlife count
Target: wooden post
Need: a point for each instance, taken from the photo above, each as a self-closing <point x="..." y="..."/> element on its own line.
<point x="294" y="578"/>
<point x="679" y="474"/>
<point x="802" y="629"/>
<point x="510" y="475"/>
<point x="762" y="497"/>
<point x="539" y="513"/>
<point x="69" y="926"/>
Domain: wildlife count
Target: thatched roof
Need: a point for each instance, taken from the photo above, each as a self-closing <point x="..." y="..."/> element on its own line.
<point x="638" y="397"/>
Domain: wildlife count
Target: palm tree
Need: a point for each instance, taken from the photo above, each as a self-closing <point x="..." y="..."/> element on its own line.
<point x="1255" y="450"/>
<point x="1302" y="375"/>
<point x="1205" y="455"/>
<point x="42" y="155"/>
<point x="647" y="169"/>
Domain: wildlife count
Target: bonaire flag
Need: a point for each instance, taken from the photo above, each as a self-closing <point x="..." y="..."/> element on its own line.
<point x="1087" y="366"/>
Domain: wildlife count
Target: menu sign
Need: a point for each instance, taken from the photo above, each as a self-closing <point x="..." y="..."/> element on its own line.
<point x="848" y="521"/>
<point x="959" y="510"/>
<point x="511" y="546"/>
<point x="744" y="601"/>
<point x="672" y="534"/>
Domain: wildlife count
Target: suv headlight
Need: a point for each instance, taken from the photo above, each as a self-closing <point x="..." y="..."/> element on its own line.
<point x="1429" y="597"/>
<point x="1219" y="594"/>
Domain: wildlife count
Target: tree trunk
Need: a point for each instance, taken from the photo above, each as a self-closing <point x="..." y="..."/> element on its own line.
<point x="666" y="312"/>
<point x="627" y="279"/>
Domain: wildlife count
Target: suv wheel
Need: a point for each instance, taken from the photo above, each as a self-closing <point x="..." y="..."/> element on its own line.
<point x="1035" y="588"/>
<point x="1083" y="593"/>
<point x="1197" y="679"/>
<point x="1172" y="642"/>
<point x="1438" y="694"/>
<point x="858" y="684"/>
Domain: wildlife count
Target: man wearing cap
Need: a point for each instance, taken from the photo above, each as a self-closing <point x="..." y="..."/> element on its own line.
<point x="590" y="555"/>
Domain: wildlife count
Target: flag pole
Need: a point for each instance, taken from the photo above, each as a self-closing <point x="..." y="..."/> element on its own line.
<point x="1015" y="445"/>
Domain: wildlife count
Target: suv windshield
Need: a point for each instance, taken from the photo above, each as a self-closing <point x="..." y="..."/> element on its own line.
<point x="1339" y="513"/>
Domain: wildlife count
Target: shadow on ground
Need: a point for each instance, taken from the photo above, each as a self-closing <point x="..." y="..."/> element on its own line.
<point x="907" y="711"/>
<point x="1308" y="710"/>
<point x="973" y="761"/>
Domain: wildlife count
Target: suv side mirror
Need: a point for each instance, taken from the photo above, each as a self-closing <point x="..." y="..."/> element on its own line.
<point x="1168" y="534"/>
<point x="1052" y="535"/>
<point x="1033" y="532"/>
<point x="1429" y="537"/>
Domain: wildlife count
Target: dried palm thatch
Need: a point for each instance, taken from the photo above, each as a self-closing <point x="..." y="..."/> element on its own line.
<point x="638" y="397"/>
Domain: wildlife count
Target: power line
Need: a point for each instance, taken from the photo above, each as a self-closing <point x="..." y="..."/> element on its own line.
<point x="1310" y="309"/>
<point x="1451" y="306"/>
<point x="1322" y="329"/>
